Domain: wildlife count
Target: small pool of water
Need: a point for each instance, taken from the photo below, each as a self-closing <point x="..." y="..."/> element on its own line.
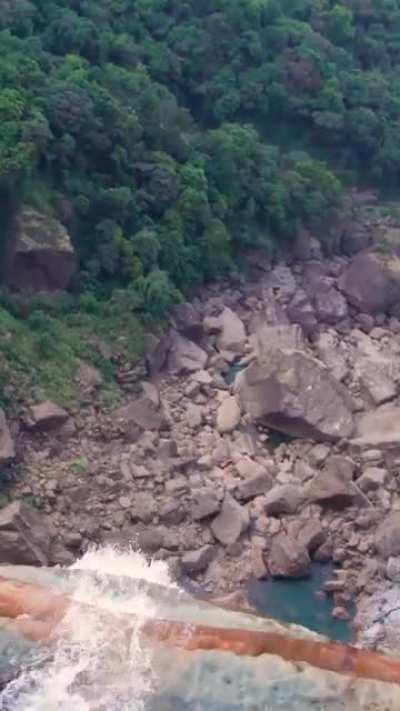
<point x="297" y="602"/>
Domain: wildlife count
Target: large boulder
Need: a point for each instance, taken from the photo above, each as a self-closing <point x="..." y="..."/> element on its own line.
<point x="232" y="336"/>
<point x="185" y="356"/>
<point x="24" y="536"/>
<point x="288" y="558"/>
<point x="231" y="521"/>
<point x="293" y="393"/>
<point x="41" y="256"/>
<point x="371" y="283"/>
<point x="7" y="449"/>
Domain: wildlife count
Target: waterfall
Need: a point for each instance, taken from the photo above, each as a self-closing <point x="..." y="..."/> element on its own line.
<point x="92" y="667"/>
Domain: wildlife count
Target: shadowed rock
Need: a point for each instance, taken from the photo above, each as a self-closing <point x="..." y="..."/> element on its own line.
<point x="42" y="257"/>
<point x="293" y="393"/>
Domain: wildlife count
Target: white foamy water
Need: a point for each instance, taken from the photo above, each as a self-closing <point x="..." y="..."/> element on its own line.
<point x="97" y="666"/>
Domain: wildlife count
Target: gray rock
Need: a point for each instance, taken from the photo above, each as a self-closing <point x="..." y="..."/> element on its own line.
<point x="172" y="513"/>
<point x="231" y="521"/>
<point x="387" y="537"/>
<point x="286" y="336"/>
<point x="254" y="486"/>
<point x="371" y="283"/>
<point x="393" y="570"/>
<point x="301" y="312"/>
<point x="283" y="282"/>
<point x="380" y="428"/>
<point x="142" y="414"/>
<point x="288" y="559"/>
<point x="187" y="320"/>
<point x="318" y="455"/>
<point x="330" y="352"/>
<point x="47" y="416"/>
<point x="293" y="393"/>
<point x="366" y="322"/>
<point x="375" y="378"/>
<point x="194" y="416"/>
<point x="333" y="486"/>
<point x="208" y="503"/>
<point x="7" y="449"/>
<point x="197" y="561"/>
<point x="331" y="306"/>
<point x="285" y="499"/>
<point x="150" y="540"/>
<point x="228" y="415"/>
<point x="232" y="336"/>
<point x="156" y="352"/>
<point x="372" y="479"/>
<point x="185" y="356"/>
<point x="24" y="535"/>
<point x="309" y="534"/>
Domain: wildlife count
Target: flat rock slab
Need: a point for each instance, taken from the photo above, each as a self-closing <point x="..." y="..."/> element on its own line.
<point x="380" y="428"/>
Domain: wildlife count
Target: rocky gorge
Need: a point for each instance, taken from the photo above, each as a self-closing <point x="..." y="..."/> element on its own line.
<point x="260" y="433"/>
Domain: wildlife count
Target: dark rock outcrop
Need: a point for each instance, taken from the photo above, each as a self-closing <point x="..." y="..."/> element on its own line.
<point x="41" y="257"/>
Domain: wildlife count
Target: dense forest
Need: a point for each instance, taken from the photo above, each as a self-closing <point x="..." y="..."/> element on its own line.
<point x="171" y="135"/>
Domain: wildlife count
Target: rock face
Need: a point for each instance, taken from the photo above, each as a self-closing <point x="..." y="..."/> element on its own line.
<point x="7" y="450"/>
<point x="231" y="522"/>
<point x="291" y="392"/>
<point x="288" y="559"/>
<point x="185" y="356"/>
<point x="371" y="283"/>
<point x="42" y="257"/>
<point x="24" y="537"/>
<point x="47" y="416"/>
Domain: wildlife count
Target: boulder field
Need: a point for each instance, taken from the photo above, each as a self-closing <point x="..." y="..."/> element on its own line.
<point x="260" y="433"/>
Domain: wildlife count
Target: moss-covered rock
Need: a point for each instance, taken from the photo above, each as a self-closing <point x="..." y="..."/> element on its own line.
<point x="41" y="257"/>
